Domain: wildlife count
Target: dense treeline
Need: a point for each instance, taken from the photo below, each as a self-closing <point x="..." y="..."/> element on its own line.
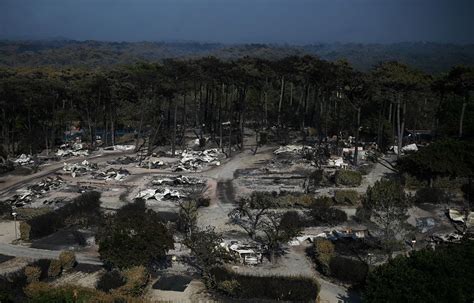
<point x="162" y="100"/>
<point x="443" y="275"/>
<point x="426" y="56"/>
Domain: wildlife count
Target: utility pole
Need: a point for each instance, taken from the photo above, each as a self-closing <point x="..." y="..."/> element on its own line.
<point x="14" y="222"/>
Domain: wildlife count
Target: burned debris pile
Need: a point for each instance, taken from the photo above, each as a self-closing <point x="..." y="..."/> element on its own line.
<point x="76" y="149"/>
<point x="171" y="188"/>
<point x="194" y="160"/>
<point x="26" y="196"/>
<point x="86" y="167"/>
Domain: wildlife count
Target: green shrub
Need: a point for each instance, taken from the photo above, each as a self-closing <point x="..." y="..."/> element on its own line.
<point x="54" y="269"/>
<point x="442" y="275"/>
<point x="25" y="230"/>
<point x="136" y="279"/>
<point x="67" y="259"/>
<point x="110" y="280"/>
<point x="431" y="195"/>
<point x="348" y="270"/>
<point x="40" y="292"/>
<point x="322" y="213"/>
<point x="350" y="197"/>
<point x="305" y="201"/>
<point x="348" y="178"/>
<point x="230" y="288"/>
<point x="327" y="216"/>
<point x="280" y="288"/>
<point x="203" y="202"/>
<point x="32" y="273"/>
<point x="323" y="253"/>
<point x="365" y="169"/>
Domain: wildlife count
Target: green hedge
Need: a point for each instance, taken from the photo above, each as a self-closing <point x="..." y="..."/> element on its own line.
<point x="350" y="197"/>
<point x="295" y="289"/>
<point x="348" y="270"/>
<point x="348" y="178"/>
<point x="431" y="195"/>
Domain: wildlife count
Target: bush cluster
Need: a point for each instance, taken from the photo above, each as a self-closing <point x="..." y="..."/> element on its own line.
<point x="43" y="292"/>
<point x="32" y="273"/>
<point x="302" y="289"/>
<point x="321" y="212"/>
<point x="83" y="211"/>
<point x="55" y="269"/>
<point x="136" y="280"/>
<point x="348" y="178"/>
<point x="348" y="269"/>
<point x="110" y="280"/>
<point x="442" y="275"/>
<point x="350" y="197"/>
<point x="67" y="259"/>
<point x="431" y="195"/>
<point x="323" y="250"/>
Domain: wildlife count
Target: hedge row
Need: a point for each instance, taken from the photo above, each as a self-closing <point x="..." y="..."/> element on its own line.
<point x="295" y="289"/>
<point x="84" y="211"/>
<point x="348" y="178"/>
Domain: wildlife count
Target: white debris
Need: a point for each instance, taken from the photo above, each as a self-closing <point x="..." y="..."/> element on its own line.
<point x="193" y="160"/>
<point x="460" y="217"/>
<point x="23" y="160"/>
<point x="351" y="150"/>
<point x="124" y="147"/>
<point x="158" y="194"/>
<point x="290" y="149"/>
<point x="245" y="253"/>
<point x="456" y="215"/>
<point x="336" y="162"/>
<point x="112" y="174"/>
<point x="79" y="168"/>
<point x="179" y="180"/>
<point x="405" y="149"/>
<point x="26" y="195"/>
<point x="410" y="148"/>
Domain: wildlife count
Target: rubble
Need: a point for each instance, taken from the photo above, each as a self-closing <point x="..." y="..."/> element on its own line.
<point x="112" y="174"/>
<point x="152" y="162"/>
<point x="24" y="160"/>
<point x="449" y="238"/>
<point x="178" y="180"/>
<point x="120" y="147"/>
<point x="425" y="224"/>
<point x="335" y="161"/>
<point x="77" y="149"/>
<point x="245" y="253"/>
<point x="124" y="160"/>
<point x="159" y="194"/>
<point x="194" y="160"/>
<point x="459" y="217"/>
<point x="79" y="169"/>
<point x="290" y="149"/>
<point x="410" y="148"/>
<point x="27" y="195"/>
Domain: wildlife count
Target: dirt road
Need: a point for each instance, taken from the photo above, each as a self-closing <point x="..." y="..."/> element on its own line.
<point x="35" y="254"/>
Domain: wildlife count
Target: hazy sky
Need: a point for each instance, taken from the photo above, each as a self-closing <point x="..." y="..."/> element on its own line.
<point x="266" y="21"/>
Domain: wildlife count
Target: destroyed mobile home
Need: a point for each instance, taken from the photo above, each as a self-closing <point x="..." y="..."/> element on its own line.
<point x="25" y="196"/>
<point x="244" y="253"/>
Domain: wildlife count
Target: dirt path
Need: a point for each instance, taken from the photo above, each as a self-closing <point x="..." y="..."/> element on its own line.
<point x="34" y="253"/>
<point x="221" y="188"/>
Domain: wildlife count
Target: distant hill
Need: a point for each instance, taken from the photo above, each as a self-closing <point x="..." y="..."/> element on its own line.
<point x="430" y="57"/>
